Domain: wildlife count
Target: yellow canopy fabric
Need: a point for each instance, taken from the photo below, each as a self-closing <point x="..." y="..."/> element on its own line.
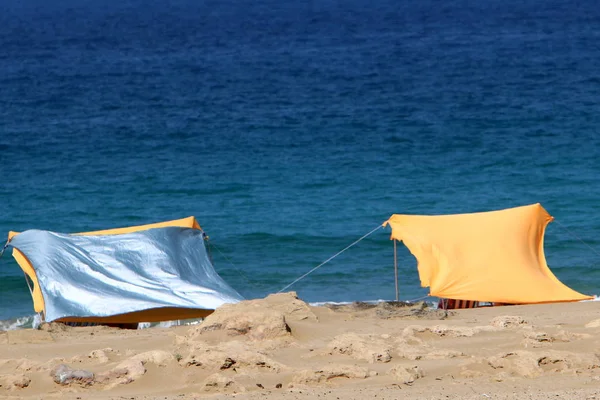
<point x="38" y="299"/>
<point x="495" y="256"/>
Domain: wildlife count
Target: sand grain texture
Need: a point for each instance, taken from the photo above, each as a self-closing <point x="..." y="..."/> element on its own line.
<point x="281" y="348"/>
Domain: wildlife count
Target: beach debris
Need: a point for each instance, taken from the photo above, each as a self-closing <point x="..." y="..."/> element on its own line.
<point x="508" y="321"/>
<point x="406" y="375"/>
<point x="64" y="375"/>
<point x="14" y="381"/>
<point x="362" y="347"/>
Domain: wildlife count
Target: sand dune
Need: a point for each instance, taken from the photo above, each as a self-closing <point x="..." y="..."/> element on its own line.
<point x="279" y="347"/>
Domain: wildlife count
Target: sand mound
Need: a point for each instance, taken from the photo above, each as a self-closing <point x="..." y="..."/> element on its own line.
<point x="406" y="375"/>
<point x="496" y="324"/>
<point x="443" y="330"/>
<point x="101" y="355"/>
<point x="134" y="367"/>
<point x="533" y="338"/>
<point x="289" y="305"/>
<point x="426" y="352"/>
<point x="157" y="357"/>
<point x="261" y="319"/>
<point x="248" y="320"/>
<point x="566" y="336"/>
<point x="593" y="324"/>
<point x="508" y="321"/>
<point x="125" y="372"/>
<point x="20" y="364"/>
<point x="237" y="382"/>
<point x="221" y="383"/>
<point x="537" y="339"/>
<point x="347" y="354"/>
<point x="54" y="327"/>
<point x="233" y="355"/>
<point x="14" y="381"/>
<point x="391" y="309"/>
<point x="370" y="348"/>
<point x="411" y="347"/>
<point x="330" y="373"/>
<point x="528" y="364"/>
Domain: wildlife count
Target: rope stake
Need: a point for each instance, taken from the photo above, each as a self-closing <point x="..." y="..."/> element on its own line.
<point x="329" y="259"/>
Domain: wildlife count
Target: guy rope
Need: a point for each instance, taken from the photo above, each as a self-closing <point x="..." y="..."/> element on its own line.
<point x="330" y="258"/>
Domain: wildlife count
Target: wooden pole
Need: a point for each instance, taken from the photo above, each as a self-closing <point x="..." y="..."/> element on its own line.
<point x="396" y="269"/>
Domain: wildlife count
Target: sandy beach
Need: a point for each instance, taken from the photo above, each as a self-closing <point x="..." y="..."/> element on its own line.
<point x="281" y="348"/>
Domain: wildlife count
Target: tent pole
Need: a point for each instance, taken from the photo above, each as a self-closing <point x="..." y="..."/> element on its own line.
<point x="396" y="268"/>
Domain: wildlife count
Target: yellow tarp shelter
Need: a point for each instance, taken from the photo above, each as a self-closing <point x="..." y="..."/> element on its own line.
<point x="145" y="315"/>
<point x="495" y="256"/>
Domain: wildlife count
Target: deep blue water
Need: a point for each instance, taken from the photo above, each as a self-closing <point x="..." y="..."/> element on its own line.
<point x="291" y="129"/>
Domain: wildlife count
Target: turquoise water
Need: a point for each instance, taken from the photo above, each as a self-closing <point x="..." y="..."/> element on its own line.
<point x="292" y="129"/>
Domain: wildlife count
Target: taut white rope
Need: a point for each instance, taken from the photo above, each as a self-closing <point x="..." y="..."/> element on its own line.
<point x="577" y="237"/>
<point x="330" y="258"/>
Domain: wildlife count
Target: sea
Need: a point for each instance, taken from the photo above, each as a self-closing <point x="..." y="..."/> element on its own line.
<point x="293" y="129"/>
